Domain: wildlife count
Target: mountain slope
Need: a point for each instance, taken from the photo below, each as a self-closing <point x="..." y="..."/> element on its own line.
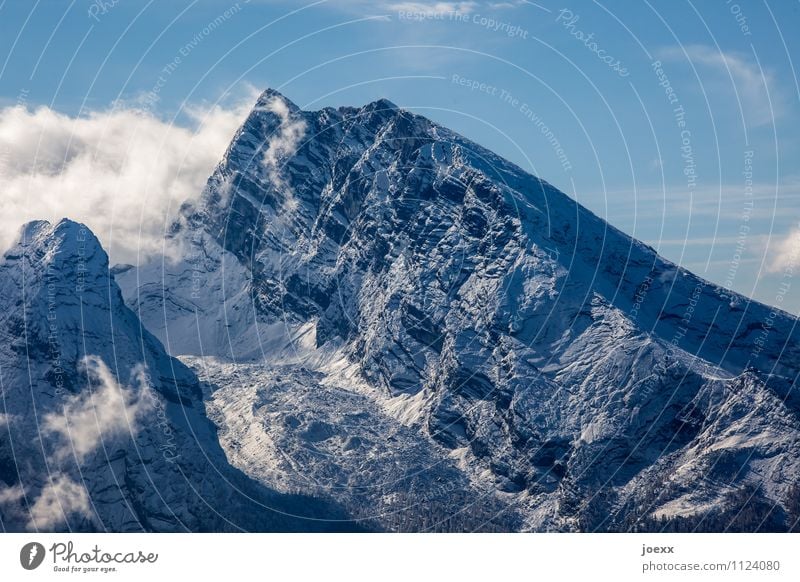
<point x="563" y="366"/>
<point x="101" y="429"/>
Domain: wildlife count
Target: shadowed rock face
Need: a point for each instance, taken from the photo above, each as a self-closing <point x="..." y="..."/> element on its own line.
<point x="101" y="429"/>
<point x="548" y="358"/>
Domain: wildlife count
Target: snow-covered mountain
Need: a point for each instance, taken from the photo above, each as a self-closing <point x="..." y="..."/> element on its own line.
<point x="386" y="314"/>
<point x="101" y="429"/>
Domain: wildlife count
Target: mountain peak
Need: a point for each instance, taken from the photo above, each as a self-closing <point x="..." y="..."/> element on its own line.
<point x="60" y="273"/>
<point x="30" y="230"/>
<point x="382" y="104"/>
<point x="382" y="109"/>
<point x="547" y="350"/>
<point x="92" y="399"/>
<point x="65" y="238"/>
<point x="270" y="96"/>
<point x="65" y="243"/>
<point x="42" y="229"/>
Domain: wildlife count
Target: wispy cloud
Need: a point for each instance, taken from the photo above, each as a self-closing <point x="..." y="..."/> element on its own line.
<point x="10" y="494"/>
<point x="103" y="413"/>
<point x="93" y="417"/>
<point x="427" y="9"/>
<point x="514" y="4"/>
<point x="431" y="9"/>
<point x="760" y="100"/>
<point x="123" y="171"/>
<point x="283" y="144"/>
<point x="11" y="507"/>
<point x="60" y="499"/>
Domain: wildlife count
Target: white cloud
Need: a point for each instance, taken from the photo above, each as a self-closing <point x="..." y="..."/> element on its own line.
<point x="784" y="254"/>
<point x="94" y="417"/>
<point x="123" y="172"/>
<point x="10" y="494"/>
<point x="426" y="9"/>
<point x="4" y="419"/>
<point x="760" y="102"/>
<point x="59" y="499"/>
<point x="284" y="143"/>
<point x="516" y="4"/>
<point x="11" y="507"/>
<point x="432" y="9"/>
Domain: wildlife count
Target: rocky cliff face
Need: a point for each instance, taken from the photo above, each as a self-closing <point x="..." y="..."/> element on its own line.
<point x="101" y="429"/>
<point x="571" y="377"/>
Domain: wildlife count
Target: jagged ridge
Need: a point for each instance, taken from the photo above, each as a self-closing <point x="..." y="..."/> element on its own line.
<point x="588" y="382"/>
<point x="102" y="429"/>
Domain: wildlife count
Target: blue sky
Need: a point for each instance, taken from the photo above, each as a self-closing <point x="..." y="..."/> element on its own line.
<point x="676" y="121"/>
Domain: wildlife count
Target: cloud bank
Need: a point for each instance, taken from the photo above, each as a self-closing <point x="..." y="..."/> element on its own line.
<point x="123" y="172"/>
